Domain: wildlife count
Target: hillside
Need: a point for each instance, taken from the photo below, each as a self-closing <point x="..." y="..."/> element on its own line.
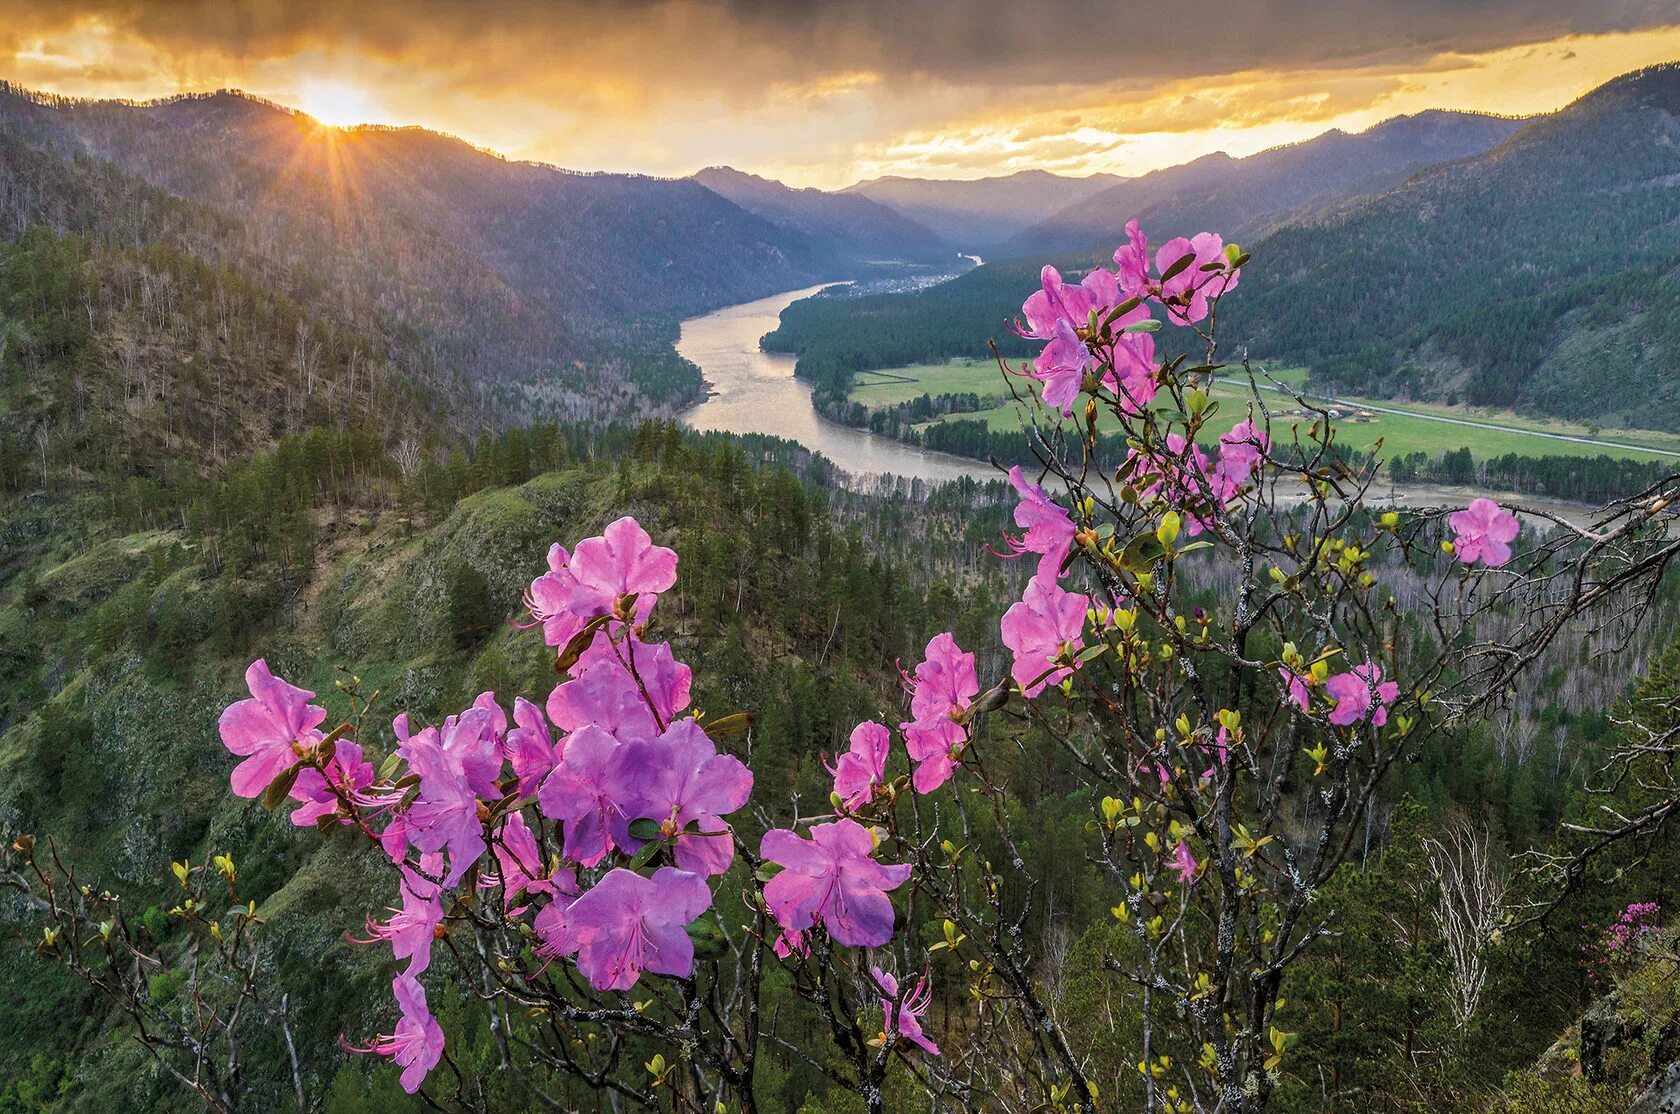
<point x="851" y="225"/>
<point x="1506" y="279"/>
<point x="1245" y="197"/>
<point x="979" y="214"/>
<point x="501" y="270"/>
<point x="1512" y="279"/>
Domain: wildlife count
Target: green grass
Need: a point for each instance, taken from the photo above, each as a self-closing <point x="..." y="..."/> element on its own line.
<point x="1417" y="430"/>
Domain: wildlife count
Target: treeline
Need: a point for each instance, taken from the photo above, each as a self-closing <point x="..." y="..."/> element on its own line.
<point x="1583" y="479"/>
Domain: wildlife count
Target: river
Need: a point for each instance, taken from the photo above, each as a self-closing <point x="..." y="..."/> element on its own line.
<point x="754" y="391"/>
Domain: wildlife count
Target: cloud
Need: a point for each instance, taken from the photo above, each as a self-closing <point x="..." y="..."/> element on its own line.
<point x="817" y="91"/>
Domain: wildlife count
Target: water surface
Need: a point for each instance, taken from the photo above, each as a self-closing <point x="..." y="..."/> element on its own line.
<point x="754" y="391"/>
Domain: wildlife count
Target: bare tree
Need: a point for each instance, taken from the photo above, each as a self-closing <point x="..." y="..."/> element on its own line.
<point x="1469" y="909"/>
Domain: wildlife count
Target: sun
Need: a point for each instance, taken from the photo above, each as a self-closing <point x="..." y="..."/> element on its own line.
<point x="335" y="103"/>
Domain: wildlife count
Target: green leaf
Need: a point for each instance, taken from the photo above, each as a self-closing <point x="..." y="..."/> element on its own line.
<point x="1142" y="552"/>
<point x="579" y="643"/>
<point x="1178" y="266"/>
<point x="644" y="828"/>
<point x="730" y="725"/>
<point x="281" y="787"/>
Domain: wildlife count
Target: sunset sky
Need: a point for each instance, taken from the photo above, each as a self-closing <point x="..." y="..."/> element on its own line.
<point x="826" y="92"/>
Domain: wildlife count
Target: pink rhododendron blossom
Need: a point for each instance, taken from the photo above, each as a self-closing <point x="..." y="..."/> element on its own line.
<point x="909" y="1013"/>
<point x="833" y="880"/>
<point x="268" y="729"/>
<point x="627" y="924"/>
<point x="522" y="870"/>
<point x="1055" y="313"/>
<point x="935" y="747"/>
<point x="1049" y="530"/>
<point x="1133" y="375"/>
<point x="473" y="742"/>
<point x="579" y="794"/>
<point x="348" y="771"/>
<point x="944" y="687"/>
<point x="417" y="1043"/>
<point x="1046" y="622"/>
<point x="945" y="683"/>
<point x="858" y="771"/>
<point x="589" y="581"/>
<point x="414" y="926"/>
<point x="791" y="943"/>
<point x="1483" y="532"/>
<point x="445" y="814"/>
<point x="1352" y="694"/>
<point x="1187" y="294"/>
<point x="1184" y="862"/>
<point x="530" y="747"/>
<point x="1242" y="451"/>
<point x="681" y="781"/>
<point x="1295" y="687"/>
<point x="603" y="692"/>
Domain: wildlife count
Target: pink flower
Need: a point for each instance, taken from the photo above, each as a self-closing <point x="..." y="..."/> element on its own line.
<point x="347" y="771"/>
<point x="579" y="793"/>
<point x="863" y="766"/>
<point x="1241" y="453"/>
<point x="1046" y="622"/>
<point x="445" y="814"/>
<point x="604" y="692"/>
<point x="1133" y="378"/>
<point x="1483" y="532"/>
<point x="1186" y="294"/>
<point x="791" y="943"/>
<point x="681" y="781"/>
<point x="268" y="729"/>
<point x="1049" y="530"/>
<point x="945" y="683"/>
<point x="531" y="749"/>
<point x="628" y="924"/>
<point x="589" y="582"/>
<point x="522" y="869"/>
<point x="910" y="1011"/>
<point x="473" y="741"/>
<point x="1184" y="862"/>
<point x="831" y="879"/>
<point x="417" y="1043"/>
<point x="935" y="747"/>
<point x="1295" y="687"/>
<point x="1352" y="694"/>
<point x="1055" y="313"/>
<point x="412" y="928"/>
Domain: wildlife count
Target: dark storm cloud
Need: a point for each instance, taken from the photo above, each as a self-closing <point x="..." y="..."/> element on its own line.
<point x="730" y="42"/>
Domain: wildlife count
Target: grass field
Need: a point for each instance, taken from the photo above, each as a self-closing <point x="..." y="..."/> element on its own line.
<point x="1420" y="428"/>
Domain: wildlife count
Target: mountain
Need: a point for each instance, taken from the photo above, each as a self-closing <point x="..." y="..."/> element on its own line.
<point x="848" y="225"/>
<point x="1543" y="275"/>
<point x="978" y="215"/>
<point x="502" y="270"/>
<point x="1245" y="197"/>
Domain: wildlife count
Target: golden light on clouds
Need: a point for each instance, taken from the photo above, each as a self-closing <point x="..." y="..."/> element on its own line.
<point x="822" y="96"/>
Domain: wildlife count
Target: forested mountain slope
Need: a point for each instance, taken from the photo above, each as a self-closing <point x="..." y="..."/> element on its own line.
<point x="1244" y="197"/>
<point x="1540" y="275"/>
<point x="979" y="214"/>
<point x="499" y="269"/>
<point x="850" y="224"/>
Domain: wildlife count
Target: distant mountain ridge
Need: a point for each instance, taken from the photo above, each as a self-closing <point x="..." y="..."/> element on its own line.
<point x="504" y="269"/>
<point x="1246" y="197"/>
<point x="849" y="223"/>
<point x="979" y="214"/>
<point x="1541" y="274"/>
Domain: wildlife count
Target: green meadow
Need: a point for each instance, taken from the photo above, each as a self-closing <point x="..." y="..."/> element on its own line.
<point x="1422" y="427"/>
